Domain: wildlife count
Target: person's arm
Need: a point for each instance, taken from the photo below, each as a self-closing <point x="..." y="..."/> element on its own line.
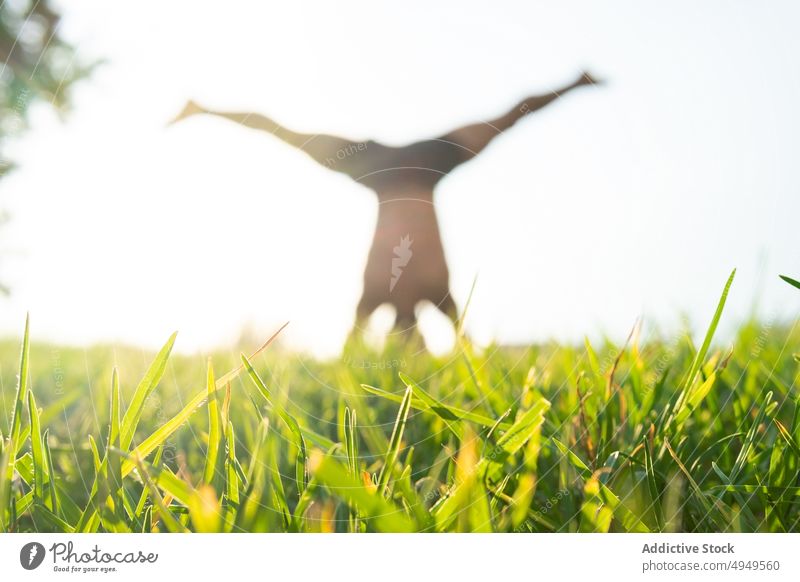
<point x="333" y="152"/>
<point x="472" y="139"/>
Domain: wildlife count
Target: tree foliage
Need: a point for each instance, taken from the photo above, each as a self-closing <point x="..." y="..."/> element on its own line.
<point x="38" y="65"/>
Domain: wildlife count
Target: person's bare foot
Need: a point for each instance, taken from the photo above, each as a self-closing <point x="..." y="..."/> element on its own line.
<point x="586" y="78"/>
<point x="191" y="108"/>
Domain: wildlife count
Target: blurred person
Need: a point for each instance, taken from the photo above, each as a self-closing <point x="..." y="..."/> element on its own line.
<point x="406" y="263"/>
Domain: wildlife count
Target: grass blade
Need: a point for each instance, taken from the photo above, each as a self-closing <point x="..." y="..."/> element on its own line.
<point x="160" y="435"/>
<point x="380" y="513"/>
<point x="214" y="435"/>
<point x="652" y="486"/>
<point x="169" y="520"/>
<point x="627" y="519"/>
<point x="22" y="385"/>
<point x="394" y="442"/>
<point x="117" y="493"/>
<point x="140" y="506"/>
<point x="6" y="472"/>
<point x="151" y="379"/>
<point x="792" y="282"/>
<point x="232" y="478"/>
<point x="55" y="504"/>
<point x="712" y="328"/>
<point x="418" y="404"/>
<point x="301" y="464"/>
<point x="37" y="450"/>
<point x="448" y="416"/>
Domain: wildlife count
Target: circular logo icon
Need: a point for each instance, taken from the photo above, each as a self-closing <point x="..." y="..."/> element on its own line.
<point x="31" y="555"/>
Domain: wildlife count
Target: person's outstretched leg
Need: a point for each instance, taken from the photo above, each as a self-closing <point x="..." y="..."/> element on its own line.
<point x="472" y="139"/>
<point x="335" y="153"/>
<point x="247" y="119"/>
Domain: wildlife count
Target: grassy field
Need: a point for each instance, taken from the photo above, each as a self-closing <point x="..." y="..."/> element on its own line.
<point x="657" y="434"/>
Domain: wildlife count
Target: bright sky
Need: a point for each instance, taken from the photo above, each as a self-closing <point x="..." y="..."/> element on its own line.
<point x="634" y="199"/>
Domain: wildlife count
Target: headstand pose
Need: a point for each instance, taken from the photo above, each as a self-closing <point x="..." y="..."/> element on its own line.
<point x="406" y="263"/>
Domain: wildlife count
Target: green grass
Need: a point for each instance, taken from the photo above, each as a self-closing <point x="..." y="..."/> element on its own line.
<point x="653" y="435"/>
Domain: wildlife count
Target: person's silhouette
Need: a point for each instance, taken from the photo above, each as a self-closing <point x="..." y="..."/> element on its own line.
<point x="406" y="263"/>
